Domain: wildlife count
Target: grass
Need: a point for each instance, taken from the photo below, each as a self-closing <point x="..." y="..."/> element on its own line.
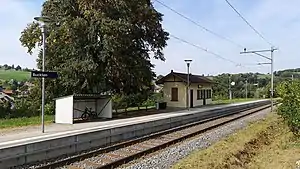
<point x="130" y="109"/>
<point x="233" y="101"/>
<point x="12" y="74"/>
<point x="263" y="144"/>
<point x="19" y="122"/>
<point x="263" y="76"/>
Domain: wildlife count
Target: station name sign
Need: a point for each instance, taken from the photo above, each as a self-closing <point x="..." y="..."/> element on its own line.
<point x="40" y="74"/>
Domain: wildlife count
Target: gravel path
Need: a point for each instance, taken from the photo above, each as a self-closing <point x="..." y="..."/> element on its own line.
<point x="168" y="157"/>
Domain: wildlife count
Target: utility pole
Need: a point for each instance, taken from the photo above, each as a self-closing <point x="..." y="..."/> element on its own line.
<point x="292" y="77"/>
<point x="272" y="66"/>
<point x="229" y="87"/>
<point x="246" y="88"/>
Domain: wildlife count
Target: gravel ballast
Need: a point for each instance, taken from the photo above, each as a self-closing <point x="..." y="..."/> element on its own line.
<point x="168" y="157"/>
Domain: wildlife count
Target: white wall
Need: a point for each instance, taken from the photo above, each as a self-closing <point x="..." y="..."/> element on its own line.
<point x="107" y="110"/>
<point x="167" y="90"/>
<point x="64" y="110"/>
<point x="182" y="94"/>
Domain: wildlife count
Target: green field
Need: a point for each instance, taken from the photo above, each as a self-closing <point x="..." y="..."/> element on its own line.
<point x="19" y="122"/>
<point x="12" y="74"/>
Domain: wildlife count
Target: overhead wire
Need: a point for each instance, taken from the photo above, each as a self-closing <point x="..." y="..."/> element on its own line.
<point x="206" y="29"/>
<point x="199" y="25"/>
<point x="241" y="16"/>
<point x="205" y="50"/>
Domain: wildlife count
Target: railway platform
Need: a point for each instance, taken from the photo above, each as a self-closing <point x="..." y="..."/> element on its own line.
<point x="27" y="145"/>
<point x="26" y="134"/>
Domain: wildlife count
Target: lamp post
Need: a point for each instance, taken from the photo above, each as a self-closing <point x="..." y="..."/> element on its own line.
<point x="230" y="83"/>
<point x="188" y="63"/>
<point x="43" y="20"/>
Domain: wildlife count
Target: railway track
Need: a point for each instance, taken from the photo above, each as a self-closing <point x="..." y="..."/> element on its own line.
<point x="119" y="154"/>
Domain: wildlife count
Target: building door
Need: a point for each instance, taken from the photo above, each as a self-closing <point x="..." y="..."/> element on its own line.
<point x="204" y="97"/>
<point x="191" y="98"/>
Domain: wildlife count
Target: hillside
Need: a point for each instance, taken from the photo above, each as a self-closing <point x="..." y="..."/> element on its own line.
<point x="13" y="74"/>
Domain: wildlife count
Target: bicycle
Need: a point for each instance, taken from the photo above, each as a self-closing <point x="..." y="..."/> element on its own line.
<point x="89" y="114"/>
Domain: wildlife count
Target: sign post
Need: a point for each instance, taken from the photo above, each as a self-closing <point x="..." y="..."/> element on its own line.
<point x="41" y="74"/>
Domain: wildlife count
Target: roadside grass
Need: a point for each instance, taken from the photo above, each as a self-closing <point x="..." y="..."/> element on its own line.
<point x="12" y="74"/>
<point x="234" y="100"/>
<point x="20" y="122"/>
<point x="264" y="144"/>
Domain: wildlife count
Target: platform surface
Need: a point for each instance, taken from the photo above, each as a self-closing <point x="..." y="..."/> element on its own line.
<point x="24" y="135"/>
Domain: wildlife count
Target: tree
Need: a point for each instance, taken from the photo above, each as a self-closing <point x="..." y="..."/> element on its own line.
<point x="5" y="66"/>
<point x="99" y="46"/>
<point x="18" y="68"/>
<point x="13" y="84"/>
<point x="290" y="107"/>
<point x="159" y="77"/>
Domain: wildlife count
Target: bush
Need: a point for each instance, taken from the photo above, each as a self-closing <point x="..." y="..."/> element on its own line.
<point x="135" y="100"/>
<point x="290" y="107"/>
<point x="118" y="102"/>
<point x="5" y="111"/>
<point x="49" y="109"/>
<point x="22" y="108"/>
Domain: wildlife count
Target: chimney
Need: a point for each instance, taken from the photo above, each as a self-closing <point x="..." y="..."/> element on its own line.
<point x="171" y="71"/>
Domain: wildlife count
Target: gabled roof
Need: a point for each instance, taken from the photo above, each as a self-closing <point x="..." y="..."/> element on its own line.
<point x="184" y="78"/>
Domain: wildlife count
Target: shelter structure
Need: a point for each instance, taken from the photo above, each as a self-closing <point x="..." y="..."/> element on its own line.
<point x="175" y="89"/>
<point x="69" y="108"/>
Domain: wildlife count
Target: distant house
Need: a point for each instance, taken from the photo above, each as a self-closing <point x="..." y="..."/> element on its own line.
<point x="28" y="84"/>
<point x="175" y="89"/>
<point x="8" y="92"/>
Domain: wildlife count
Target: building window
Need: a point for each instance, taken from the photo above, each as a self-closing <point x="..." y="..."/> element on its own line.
<point x="208" y="94"/>
<point x="174" y="94"/>
<point x="202" y="94"/>
<point x="199" y="94"/>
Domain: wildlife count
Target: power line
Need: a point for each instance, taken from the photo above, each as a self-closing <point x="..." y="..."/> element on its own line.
<point x="197" y="24"/>
<point x="240" y="15"/>
<point x="204" y="49"/>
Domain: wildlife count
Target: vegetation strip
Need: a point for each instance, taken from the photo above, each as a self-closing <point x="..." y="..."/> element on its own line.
<point x="263" y="144"/>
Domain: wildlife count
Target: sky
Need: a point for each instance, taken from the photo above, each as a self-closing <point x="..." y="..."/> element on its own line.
<point x="277" y="20"/>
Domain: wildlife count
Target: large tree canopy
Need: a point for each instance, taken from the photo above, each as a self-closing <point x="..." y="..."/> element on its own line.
<point x="99" y="46"/>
